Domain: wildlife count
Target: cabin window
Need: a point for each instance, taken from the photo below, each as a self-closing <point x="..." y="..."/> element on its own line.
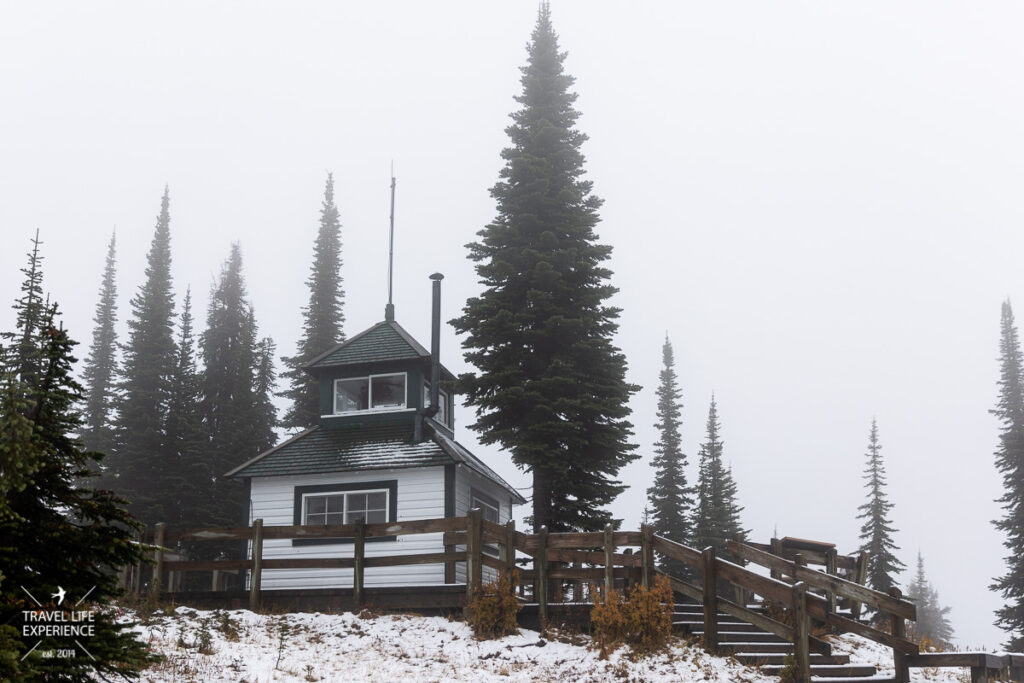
<point x="345" y="508"/>
<point x="442" y="409"/>
<point x="374" y="392"/>
<point x="329" y="504"/>
<point x="490" y="510"/>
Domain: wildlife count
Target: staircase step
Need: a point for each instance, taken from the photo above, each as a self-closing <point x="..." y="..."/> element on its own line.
<point x="733" y="648"/>
<point x="732" y="626"/>
<point x="778" y="658"/>
<point x="841" y="671"/>
<point x="744" y="637"/>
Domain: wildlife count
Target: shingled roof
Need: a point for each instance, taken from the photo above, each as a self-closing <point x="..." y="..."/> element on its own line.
<point x="385" y="341"/>
<point x="370" y="447"/>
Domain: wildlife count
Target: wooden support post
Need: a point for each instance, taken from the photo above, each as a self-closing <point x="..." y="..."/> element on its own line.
<point x="158" y="569"/>
<point x="609" y="562"/>
<point x="541" y="565"/>
<point x="471" y="555"/>
<point x="510" y="546"/>
<point x="861" y="577"/>
<point x="647" y="554"/>
<point x="899" y="630"/>
<point x="478" y="546"/>
<point x="776" y="549"/>
<point x="831" y="568"/>
<point x="137" y="577"/>
<point x="215" y="580"/>
<point x="710" y="595"/>
<point x="801" y="633"/>
<point x="256" y="575"/>
<point x="358" y="564"/>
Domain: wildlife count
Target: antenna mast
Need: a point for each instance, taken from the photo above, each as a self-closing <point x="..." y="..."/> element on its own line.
<point x="389" y="310"/>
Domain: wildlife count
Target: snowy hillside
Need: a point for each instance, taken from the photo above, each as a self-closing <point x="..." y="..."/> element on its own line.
<point x="243" y="646"/>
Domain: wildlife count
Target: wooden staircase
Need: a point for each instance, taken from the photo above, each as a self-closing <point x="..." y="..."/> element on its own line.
<point x="752" y="646"/>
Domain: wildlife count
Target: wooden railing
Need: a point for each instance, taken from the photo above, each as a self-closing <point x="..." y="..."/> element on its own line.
<point x="587" y="562"/>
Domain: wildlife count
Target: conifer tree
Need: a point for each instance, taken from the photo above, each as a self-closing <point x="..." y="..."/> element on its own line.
<point x="54" y="529"/>
<point x="717" y="515"/>
<point x="932" y="626"/>
<point x="323" y="318"/>
<point x="876" y="532"/>
<point x="235" y="416"/>
<point x="148" y="363"/>
<point x="1010" y="463"/>
<point x="550" y="387"/>
<point x="100" y="370"/>
<point x="670" y="497"/>
<point x="186" y="473"/>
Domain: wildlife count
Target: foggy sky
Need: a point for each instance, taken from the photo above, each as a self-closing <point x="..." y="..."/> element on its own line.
<point x="818" y="203"/>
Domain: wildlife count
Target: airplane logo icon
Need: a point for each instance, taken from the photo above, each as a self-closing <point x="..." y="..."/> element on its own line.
<point x="59" y="595"/>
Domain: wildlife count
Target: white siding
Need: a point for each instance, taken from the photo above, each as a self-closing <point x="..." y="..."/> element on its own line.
<point x="420" y="496"/>
<point x="466" y="480"/>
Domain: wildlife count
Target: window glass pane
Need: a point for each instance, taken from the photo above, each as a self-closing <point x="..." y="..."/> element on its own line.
<point x="335" y="504"/>
<point x="351" y="517"/>
<point x="376" y="516"/>
<point x="376" y="501"/>
<point x="315" y="519"/>
<point x="356" y="502"/>
<point x="316" y="505"/>
<point x="442" y="413"/>
<point x="488" y="511"/>
<point x="335" y="518"/>
<point x="388" y="391"/>
<point x="351" y="394"/>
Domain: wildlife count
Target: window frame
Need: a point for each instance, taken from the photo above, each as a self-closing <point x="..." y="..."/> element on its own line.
<point x="443" y="404"/>
<point x="369" y="394"/>
<point x="478" y="496"/>
<point x="302" y="493"/>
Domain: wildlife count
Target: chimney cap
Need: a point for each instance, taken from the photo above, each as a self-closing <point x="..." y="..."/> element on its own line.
<point x="437" y="276"/>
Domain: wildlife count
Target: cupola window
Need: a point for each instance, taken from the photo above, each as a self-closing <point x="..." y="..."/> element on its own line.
<point x="375" y="392"/>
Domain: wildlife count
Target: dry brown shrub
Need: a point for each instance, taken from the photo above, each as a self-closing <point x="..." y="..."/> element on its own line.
<point x="493" y="610"/>
<point x="642" y="620"/>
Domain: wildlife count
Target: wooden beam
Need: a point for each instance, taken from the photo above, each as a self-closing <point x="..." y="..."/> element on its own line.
<point x="540" y="563"/>
<point x="609" y="562"/>
<point x="801" y="632"/>
<point x="158" y="569"/>
<point x="902" y="673"/>
<point x="710" y="599"/>
<point x="256" y="574"/>
<point x="358" y="563"/>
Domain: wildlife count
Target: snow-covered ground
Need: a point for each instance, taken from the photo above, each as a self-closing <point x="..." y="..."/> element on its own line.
<point x="243" y="646"/>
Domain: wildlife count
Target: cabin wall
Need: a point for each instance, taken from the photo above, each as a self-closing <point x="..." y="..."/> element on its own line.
<point x="420" y="495"/>
<point x="465" y="481"/>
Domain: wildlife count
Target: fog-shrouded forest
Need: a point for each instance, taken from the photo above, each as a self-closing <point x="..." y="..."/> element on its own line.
<point x="815" y="205"/>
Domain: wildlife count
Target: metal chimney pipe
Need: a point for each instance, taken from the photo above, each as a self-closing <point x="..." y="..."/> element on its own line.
<point x="435" y="347"/>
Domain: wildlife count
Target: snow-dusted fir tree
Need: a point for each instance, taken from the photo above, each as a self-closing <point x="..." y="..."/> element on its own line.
<point x="670" y="496"/>
<point x="100" y="369"/>
<point x="550" y="386"/>
<point x="323" y="318"/>
<point x="717" y="515"/>
<point x="1010" y="463"/>
<point x="932" y="625"/>
<point x="876" y="531"/>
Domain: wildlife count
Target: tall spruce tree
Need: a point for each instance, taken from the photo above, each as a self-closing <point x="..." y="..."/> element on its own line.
<point x="551" y="386"/>
<point x="147" y="365"/>
<point x="100" y="370"/>
<point x="876" y="531"/>
<point x="932" y="625"/>
<point x="670" y="497"/>
<point x="1010" y="463"/>
<point x="323" y="318"/>
<point x="185" y="472"/>
<point x="717" y="514"/>
<point x="237" y="423"/>
<point x="55" y="530"/>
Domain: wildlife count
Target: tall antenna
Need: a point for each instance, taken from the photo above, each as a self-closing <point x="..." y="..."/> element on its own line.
<point x="389" y="310"/>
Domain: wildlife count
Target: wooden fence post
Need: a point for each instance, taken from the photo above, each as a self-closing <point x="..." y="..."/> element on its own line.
<point x="801" y="633"/>
<point x="158" y="570"/>
<point x="831" y="568"/>
<point x="776" y="549"/>
<point x="609" y="563"/>
<point x="256" y="574"/>
<point x="541" y="564"/>
<point x="646" y="554"/>
<point x="137" y="578"/>
<point x="358" y="564"/>
<point x="471" y="555"/>
<point x="710" y="596"/>
<point x="509" y="550"/>
<point x="861" y="577"/>
<point x="899" y="630"/>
